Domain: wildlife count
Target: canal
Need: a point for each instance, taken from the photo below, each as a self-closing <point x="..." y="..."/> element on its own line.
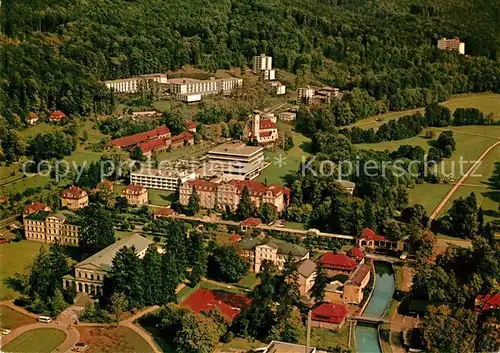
<point x="366" y="334"/>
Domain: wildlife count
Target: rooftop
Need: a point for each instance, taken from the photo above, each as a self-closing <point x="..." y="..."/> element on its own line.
<point x="306" y="268"/>
<point x="239" y="149"/>
<point x="249" y="243"/>
<point x="286" y="248"/>
<point x="229" y="304"/>
<point x="182" y="80"/>
<point x="134" y="189"/>
<point x="251" y="222"/>
<point x="328" y="312"/>
<point x="489" y="301"/>
<point x="369" y="234"/>
<point x="104" y="258"/>
<point x="357" y="253"/>
<point x="359" y="275"/>
<point x="284" y="347"/>
<point x="140" y="137"/>
<point x="338" y="261"/>
<point x="34" y="207"/>
<point x="74" y="192"/>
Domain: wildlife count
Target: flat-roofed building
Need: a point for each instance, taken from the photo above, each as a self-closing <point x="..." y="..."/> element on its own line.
<point x="262" y="62"/>
<point x="47" y="227"/>
<point x="191" y="90"/>
<point x="287" y="116"/>
<point x="234" y="161"/>
<point x="89" y="275"/>
<point x="132" y="84"/>
<point x="305" y="94"/>
<point x="162" y="179"/>
<point x="453" y="44"/>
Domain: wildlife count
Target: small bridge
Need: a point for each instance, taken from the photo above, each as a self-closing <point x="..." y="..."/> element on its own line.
<point x="371" y="319"/>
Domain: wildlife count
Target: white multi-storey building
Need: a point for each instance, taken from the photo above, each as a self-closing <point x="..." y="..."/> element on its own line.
<point x="234" y="161"/>
<point x="163" y="179"/>
<point x="191" y="90"/>
<point x="262" y="62"/>
<point x="132" y="84"/>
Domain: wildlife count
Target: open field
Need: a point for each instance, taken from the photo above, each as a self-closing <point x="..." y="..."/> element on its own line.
<point x="42" y="340"/>
<point x="110" y="340"/>
<point x="14" y="257"/>
<point x="12" y="319"/>
<point x="285" y="163"/>
<point x="486" y="102"/>
<point x="241" y="344"/>
<point x="488" y="199"/>
<point x="160" y="197"/>
<point x="328" y="339"/>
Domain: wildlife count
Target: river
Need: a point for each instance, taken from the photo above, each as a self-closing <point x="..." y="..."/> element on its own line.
<point x="366" y="334"/>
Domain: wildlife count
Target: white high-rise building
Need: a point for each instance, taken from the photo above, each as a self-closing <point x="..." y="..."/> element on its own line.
<point x="262" y="62"/>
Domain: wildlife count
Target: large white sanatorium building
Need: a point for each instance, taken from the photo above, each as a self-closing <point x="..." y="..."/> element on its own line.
<point x="163" y="179"/>
<point x="234" y="161"/>
<point x="132" y="84"/>
<point x="191" y="90"/>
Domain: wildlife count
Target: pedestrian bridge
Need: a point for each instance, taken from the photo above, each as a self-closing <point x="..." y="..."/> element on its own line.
<point x="371" y="319"/>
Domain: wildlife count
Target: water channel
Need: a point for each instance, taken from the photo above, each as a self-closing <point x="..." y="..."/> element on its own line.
<point x="366" y="334"/>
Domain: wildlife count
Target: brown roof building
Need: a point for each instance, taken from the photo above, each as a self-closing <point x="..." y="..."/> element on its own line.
<point x="74" y="198"/>
<point x="57" y="116"/>
<point x="35" y="207"/>
<point x="135" y="194"/>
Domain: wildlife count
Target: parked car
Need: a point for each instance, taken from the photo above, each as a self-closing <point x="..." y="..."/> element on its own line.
<point x="5" y="331"/>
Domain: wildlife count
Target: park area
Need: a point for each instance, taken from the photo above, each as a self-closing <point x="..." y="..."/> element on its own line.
<point x="471" y="142"/>
<point x="42" y="340"/>
<point x="11" y="319"/>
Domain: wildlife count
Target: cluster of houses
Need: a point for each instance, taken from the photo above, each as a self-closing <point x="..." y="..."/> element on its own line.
<point x="156" y="140"/>
<point x="309" y="95"/>
<point x="54" y="117"/>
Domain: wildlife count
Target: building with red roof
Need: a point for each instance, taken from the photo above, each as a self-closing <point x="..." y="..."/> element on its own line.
<point x="184" y="138"/>
<point x="190" y="125"/>
<point x="226" y="195"/>
<point x="369" y="239"/>
<point x="56" y="116"/>
<point x="35" y="207"/>
<point x="338" y="262"/>
<point x="135" y="194"/>
<point x="356" y="253"/>
<point x="163" y="212"/>
<point x="250" y="223"/>
<point x="32" y="118"/>
<point x="264" y="131"/>
<point x="487" y="302"/>
<point x="134" y="140"/>
<point x="159" y="145"/>
<point x="329" y="316"/>
<point x="229" y="304"/>
<point x="74" y="198"/>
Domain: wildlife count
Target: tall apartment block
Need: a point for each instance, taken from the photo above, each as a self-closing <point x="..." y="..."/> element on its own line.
<point x="263" y="65"/>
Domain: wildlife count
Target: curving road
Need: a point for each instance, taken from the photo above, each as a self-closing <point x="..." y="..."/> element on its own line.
<point x="455" y="187"/>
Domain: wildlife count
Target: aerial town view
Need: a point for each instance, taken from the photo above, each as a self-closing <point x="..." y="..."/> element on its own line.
<point x="274" y="176"/>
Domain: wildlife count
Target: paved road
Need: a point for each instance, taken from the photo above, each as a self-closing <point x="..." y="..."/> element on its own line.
<point x="455" y="187"/>
<point x="139" y="330"/>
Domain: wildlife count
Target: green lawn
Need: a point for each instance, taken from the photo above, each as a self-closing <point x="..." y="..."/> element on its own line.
<point x="14" y="257"/>
<point x="39" y="128"/>
<point x="327" y="339"/>
<point x="249" y="281"/>
<point x="242" y="344"/>
<point x="285" y="163"/>
<point x="42" y="340"/>
<point x="161" y="197"/>
<point x="12" y="319"/>
<point x="429" y="195"/>
<point x="486" y="102"/>
<point x="486" y="198"/>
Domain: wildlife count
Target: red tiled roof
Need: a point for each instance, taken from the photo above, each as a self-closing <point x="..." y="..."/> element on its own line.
<point x="328" y="312"/>
<point x="152" y="145"/>
<point x="134" y="189"/>
<point x="164" y="211"/>
<point x="235" y="238"/>
<point x="32" y="116"/>
<point x="200" y="184"/>
<point x="265" y="133"/>
<point x="341" y="262"/>
<point x="251" y="222"/>
<point x="229" y="304"/>
<point x="488" y="302"/>
<point x="57" y="115"/>
<point x="184" y="136"/>
<point x="136" y="139"/>
<point x="35" y="207"/>
<point x="369" y="234"/>
<point x="105" y="184"/>
<point x="357" y="253"/>
<point x="190" y="124"/>
<point x="267" y="124"/>
<point x="74" y="192"/>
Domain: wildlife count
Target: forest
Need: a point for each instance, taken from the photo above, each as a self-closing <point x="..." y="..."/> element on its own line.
<point x="55" y="52"/>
